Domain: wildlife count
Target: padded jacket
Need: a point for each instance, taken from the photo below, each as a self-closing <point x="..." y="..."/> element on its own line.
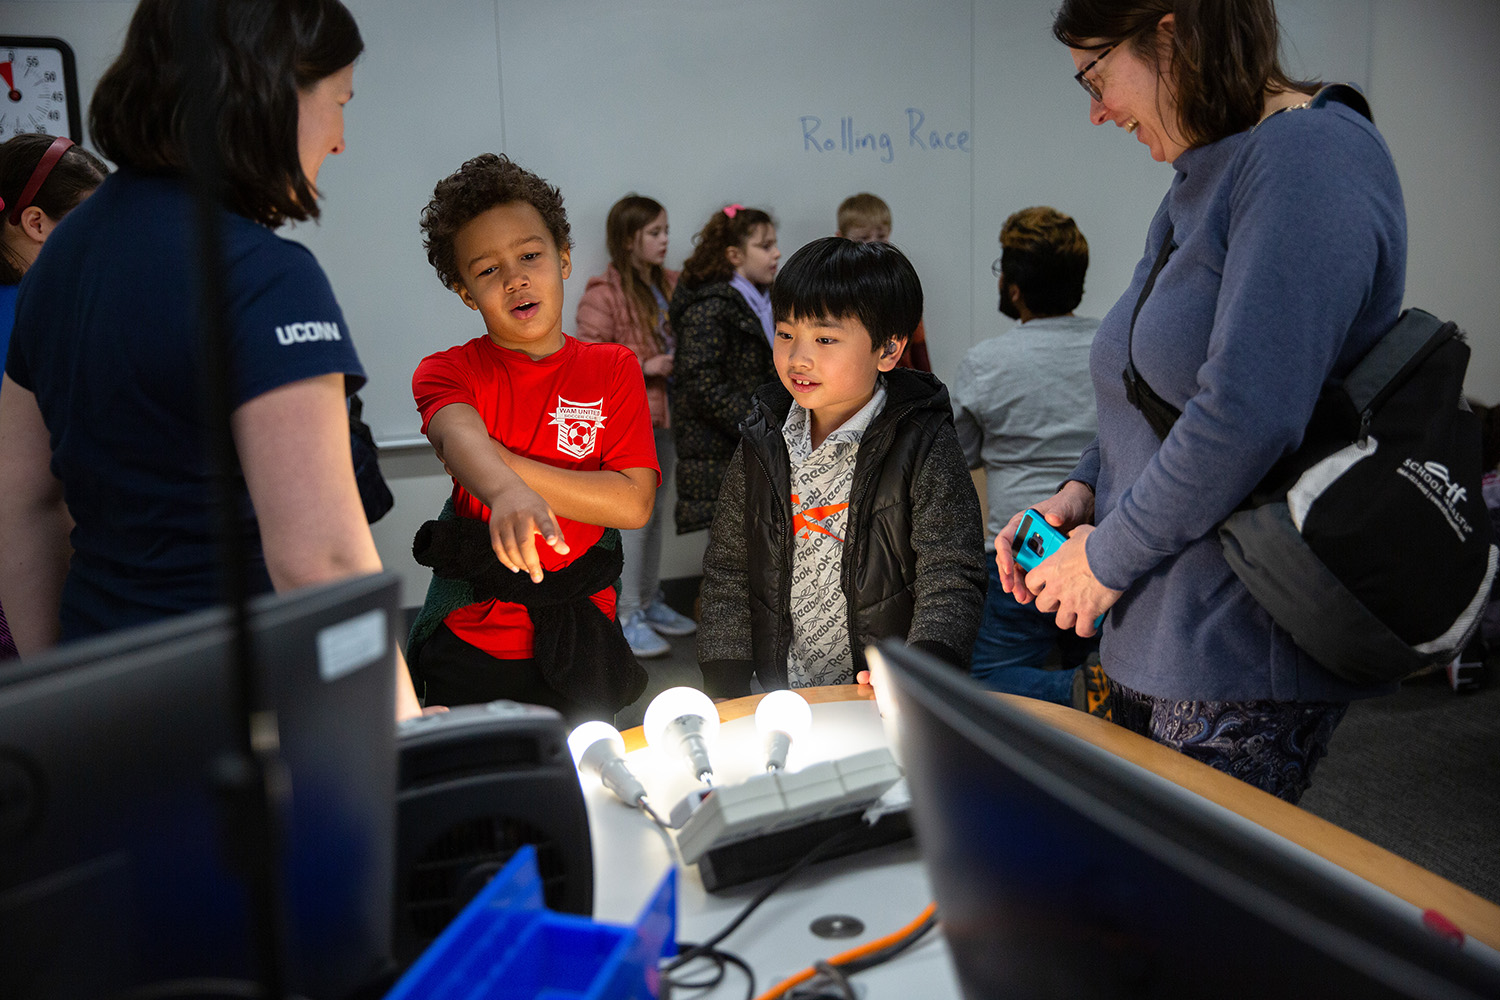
<point x="913" y="566"/>
<point x="722" y="355"/>
<point x="606" y="316"/>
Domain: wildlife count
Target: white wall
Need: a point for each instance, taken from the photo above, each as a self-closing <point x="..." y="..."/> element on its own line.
<point x="699" y="102"/>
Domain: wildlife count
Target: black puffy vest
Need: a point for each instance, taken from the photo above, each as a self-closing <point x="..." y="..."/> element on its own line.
<point x="879" y="565"/>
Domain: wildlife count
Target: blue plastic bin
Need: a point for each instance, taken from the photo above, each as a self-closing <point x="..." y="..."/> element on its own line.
<point x="506" y="945"/>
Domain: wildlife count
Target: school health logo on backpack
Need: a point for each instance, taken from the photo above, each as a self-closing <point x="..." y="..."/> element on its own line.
<point x="578" y="426"/>
<point x="1371" y="544"/>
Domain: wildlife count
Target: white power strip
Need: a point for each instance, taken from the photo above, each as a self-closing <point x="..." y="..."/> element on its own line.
<point x="765" y="803"/>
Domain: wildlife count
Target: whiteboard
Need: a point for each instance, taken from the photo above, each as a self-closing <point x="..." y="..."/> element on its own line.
<point x="956" y="112"/>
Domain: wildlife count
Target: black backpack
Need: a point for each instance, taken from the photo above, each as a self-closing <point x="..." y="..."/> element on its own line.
<point x="1371" y="544"/>
<point x="374" y="494"/>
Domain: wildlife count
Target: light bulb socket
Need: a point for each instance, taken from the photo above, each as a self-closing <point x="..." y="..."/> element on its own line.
<point x="778" y="744"/>
<point x="688" y="732"/>
<point x="617" y="777"/>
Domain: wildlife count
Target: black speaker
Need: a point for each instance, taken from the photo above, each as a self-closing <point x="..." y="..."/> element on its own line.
<point x="476" y="784"/>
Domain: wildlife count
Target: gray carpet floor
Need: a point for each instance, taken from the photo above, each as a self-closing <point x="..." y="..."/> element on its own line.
<point x="1417" y="772"/>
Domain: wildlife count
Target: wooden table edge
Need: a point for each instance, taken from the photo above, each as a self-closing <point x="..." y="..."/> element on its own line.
<point x="1476" y="916"/>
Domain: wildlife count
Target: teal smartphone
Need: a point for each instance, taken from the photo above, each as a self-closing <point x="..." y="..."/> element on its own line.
<point x="1034" y="541"/>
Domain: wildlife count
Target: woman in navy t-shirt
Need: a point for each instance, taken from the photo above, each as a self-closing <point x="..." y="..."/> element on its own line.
<point x="103" y="398"/>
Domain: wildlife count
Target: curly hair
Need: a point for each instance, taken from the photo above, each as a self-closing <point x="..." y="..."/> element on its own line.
<point x="1043" y="253"/>
<point x="486" y="181"/>
<point x="260" y="56"/>
<point x="709" y="260"/>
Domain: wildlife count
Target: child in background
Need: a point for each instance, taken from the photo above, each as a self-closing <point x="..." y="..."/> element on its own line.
<point x="866" y="218"/>
<point x="627" y="304"/>
<point x="806" y="564"/>
<point x="543" y="435"/>
<point x="42" y="179"/>
<point x="721" y="314"/>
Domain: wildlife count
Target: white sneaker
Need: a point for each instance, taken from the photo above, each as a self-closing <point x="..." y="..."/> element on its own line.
<point x="644" y="642"/>
<point x="668" y="622"/>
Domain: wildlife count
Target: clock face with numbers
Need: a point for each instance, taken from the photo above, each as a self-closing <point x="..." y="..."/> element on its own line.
<point x="38" y="88"/>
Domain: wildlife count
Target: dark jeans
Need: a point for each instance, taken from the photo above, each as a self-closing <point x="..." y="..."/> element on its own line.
<point x="452" y="672"/>
<point x="1272" y="745"/>
<point x="1015" y="641"/>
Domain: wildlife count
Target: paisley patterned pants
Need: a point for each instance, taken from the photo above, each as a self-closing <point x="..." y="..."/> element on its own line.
<point x="1272" y="745"/>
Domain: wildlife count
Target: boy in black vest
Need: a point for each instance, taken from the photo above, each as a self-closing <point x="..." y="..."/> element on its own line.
<point x="848" y="513"/>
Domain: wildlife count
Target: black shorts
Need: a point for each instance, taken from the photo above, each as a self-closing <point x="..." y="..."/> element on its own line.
<point x="451" y="672"/>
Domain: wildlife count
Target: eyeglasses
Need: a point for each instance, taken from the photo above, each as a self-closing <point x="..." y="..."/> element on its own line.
<point x="1089" y="85"/>
<point x="995" y="267"/>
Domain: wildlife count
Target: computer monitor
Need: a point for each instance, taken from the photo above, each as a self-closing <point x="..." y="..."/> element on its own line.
<point x="117" y="874"/>
<point x="1062" y="870"/>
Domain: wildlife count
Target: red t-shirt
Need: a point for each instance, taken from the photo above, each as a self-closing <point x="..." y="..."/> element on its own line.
<point x="583" y="407"/>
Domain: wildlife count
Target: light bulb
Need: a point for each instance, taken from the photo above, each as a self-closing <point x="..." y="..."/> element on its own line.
<point x="683" y="720"/>
<point x="598" y="748"/>
<point x="780" y="718"/>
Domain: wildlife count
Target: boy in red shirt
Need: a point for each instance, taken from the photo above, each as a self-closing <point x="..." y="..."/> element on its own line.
<point x="546" y="437"/>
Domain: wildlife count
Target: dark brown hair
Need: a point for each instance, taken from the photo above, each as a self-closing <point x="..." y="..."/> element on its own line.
<point x="709" y="261"/>
<point x="1043" y="253"/>
<point x="72" y="177"/>
<point x="261" y="54"/>
<point x="476" y="187"/>
<point x="628" y="217"/>
<point x="1222" y="61"/>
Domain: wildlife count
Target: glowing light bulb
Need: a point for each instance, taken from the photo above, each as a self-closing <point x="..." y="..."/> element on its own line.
<point x="598" y="748"/>
<point x="683" y="720"/>
<point x="780" y="718"/>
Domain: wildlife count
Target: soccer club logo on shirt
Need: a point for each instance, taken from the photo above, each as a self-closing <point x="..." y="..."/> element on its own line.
<point x="578" y="426"/>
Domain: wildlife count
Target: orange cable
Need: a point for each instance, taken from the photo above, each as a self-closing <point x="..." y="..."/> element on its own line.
<point x="853" y="953"/>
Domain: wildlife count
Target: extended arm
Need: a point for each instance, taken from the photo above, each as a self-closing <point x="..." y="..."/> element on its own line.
<point x="34" y="524"/>
<point x="605" y="497"/>
<point x="293" y="444"/>
<point x="517" y="513"/>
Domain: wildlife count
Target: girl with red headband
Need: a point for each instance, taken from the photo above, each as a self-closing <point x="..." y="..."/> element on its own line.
<point x="42" y="179"/>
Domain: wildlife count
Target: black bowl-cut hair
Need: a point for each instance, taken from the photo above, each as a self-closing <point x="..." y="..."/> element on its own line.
<point x="836" y="278"/>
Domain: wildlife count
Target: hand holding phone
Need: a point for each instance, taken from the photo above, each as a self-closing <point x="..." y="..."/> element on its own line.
<point x="1034" y="541"/>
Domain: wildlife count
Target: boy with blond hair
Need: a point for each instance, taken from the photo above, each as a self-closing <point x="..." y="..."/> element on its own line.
<point x="847" y="514"/>
<point x="866" y="218"/>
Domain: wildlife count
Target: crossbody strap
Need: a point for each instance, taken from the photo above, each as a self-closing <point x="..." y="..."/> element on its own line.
<point x="1160" y="414"/>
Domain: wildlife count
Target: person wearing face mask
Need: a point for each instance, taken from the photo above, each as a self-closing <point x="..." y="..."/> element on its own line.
<point x="101" y="418"/>
<point x="1023" y="406"/>
<point x="1273" y="263"/>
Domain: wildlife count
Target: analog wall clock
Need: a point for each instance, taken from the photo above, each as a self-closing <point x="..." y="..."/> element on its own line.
<point x="38" y="88"/>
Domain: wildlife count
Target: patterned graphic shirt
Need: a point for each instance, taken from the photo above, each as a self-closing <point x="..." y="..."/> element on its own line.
<point x="821" y="480"/>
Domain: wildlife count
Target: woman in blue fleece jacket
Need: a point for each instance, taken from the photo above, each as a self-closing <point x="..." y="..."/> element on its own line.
<point x="1287" y="261"/>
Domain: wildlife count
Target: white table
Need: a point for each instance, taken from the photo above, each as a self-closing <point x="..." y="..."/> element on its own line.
<point x="885" y="888"/>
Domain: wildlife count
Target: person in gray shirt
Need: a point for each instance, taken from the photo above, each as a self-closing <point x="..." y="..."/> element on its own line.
<point x="1023" y="405"/>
